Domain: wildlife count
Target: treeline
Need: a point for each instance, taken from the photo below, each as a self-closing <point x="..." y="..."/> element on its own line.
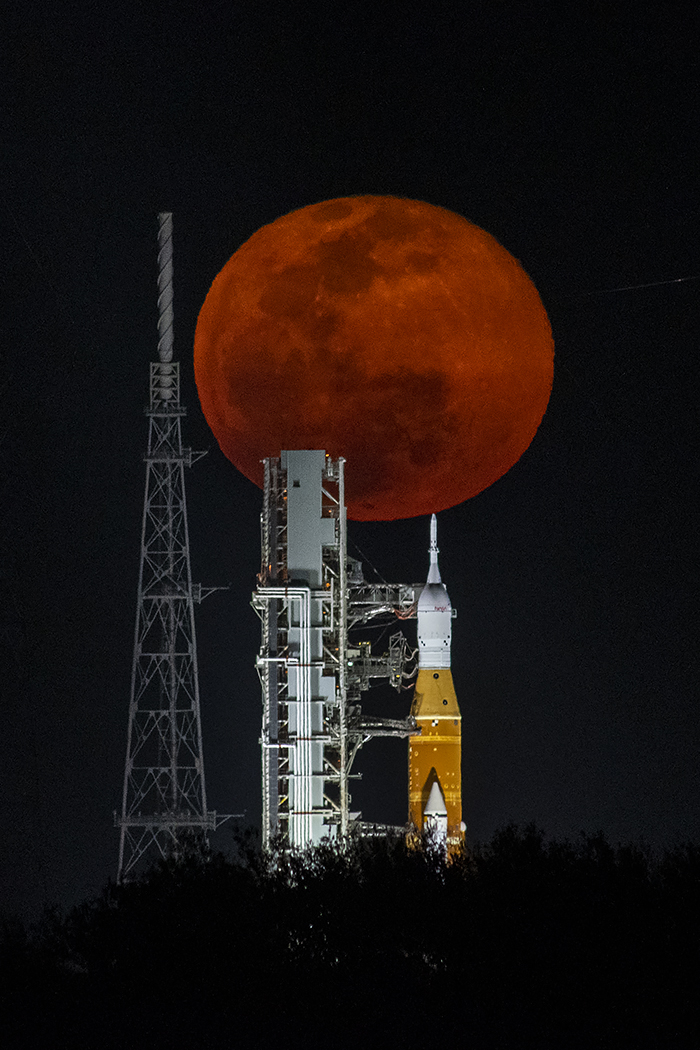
<point x="523" y="942"/>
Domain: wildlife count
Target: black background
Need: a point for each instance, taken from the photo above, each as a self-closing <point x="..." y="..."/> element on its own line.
<point x="571" y="136"/>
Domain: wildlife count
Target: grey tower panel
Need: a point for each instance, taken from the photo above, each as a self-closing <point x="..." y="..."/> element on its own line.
<point x="307" y="531"/>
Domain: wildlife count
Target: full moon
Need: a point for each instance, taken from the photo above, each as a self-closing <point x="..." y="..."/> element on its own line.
<point x="391" y="332"/>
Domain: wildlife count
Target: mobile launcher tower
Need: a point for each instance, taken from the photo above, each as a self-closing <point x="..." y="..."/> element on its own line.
<point x="310" y="596"/>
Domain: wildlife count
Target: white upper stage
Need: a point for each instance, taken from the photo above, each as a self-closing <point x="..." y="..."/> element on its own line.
<point x="434" y="614"/>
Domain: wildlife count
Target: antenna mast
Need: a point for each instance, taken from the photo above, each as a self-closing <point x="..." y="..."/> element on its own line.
<point x="164" y="804"/>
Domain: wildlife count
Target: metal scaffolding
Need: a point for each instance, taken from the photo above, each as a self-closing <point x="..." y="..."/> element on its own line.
<point x="164" y="803"/>
<point x="309" y="596"/>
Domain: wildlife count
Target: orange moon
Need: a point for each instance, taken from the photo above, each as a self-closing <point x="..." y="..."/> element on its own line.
<point x="389" y="331"/>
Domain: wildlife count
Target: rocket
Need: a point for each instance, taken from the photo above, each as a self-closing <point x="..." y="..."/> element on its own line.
<point x="435" y="756"/>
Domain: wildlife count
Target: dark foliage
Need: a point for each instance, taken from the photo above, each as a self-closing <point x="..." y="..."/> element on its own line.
<point x="520" y="943"/>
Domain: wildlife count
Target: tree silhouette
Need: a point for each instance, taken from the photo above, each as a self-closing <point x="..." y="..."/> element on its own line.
<point x="522" y="942"/>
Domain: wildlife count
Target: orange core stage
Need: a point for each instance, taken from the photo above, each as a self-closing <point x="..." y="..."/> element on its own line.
<point x="436" y="755"/>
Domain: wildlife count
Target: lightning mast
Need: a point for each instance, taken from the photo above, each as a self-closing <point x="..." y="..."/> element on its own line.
<point x="164" y="802"/>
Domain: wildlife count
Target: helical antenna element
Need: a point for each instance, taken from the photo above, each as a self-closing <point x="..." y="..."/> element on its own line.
<point x="165" y="286"/>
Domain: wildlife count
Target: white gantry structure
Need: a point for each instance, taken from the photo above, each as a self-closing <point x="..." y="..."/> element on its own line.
<point x="311" y="598"/>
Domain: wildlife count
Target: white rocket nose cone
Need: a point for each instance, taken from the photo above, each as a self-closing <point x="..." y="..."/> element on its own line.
<point x="435" y="806"/>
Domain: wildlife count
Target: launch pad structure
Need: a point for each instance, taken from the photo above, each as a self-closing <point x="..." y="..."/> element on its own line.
<point x="310" y="596"/>
<point x="312" y="600"/>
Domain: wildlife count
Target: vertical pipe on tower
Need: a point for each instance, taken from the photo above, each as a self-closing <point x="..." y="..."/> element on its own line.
<point x="165" y="287"/>
<point x="342" y="647"/>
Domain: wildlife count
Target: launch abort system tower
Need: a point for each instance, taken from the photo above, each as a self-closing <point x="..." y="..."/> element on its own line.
<point x="310" y="597"/>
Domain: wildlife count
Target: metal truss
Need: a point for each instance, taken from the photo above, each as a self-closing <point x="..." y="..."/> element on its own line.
<point x="164" y="804"/>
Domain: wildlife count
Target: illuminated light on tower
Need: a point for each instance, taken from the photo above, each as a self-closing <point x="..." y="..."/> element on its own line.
<point x="435" y="757"/>
<point x="311" y="599"/>
<point x="164" y="803"/>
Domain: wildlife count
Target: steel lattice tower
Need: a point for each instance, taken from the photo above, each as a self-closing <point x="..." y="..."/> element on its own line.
<point x="164" y="803"/>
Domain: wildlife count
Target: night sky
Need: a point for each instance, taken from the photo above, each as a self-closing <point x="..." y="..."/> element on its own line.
<point x="569" y="136"/>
